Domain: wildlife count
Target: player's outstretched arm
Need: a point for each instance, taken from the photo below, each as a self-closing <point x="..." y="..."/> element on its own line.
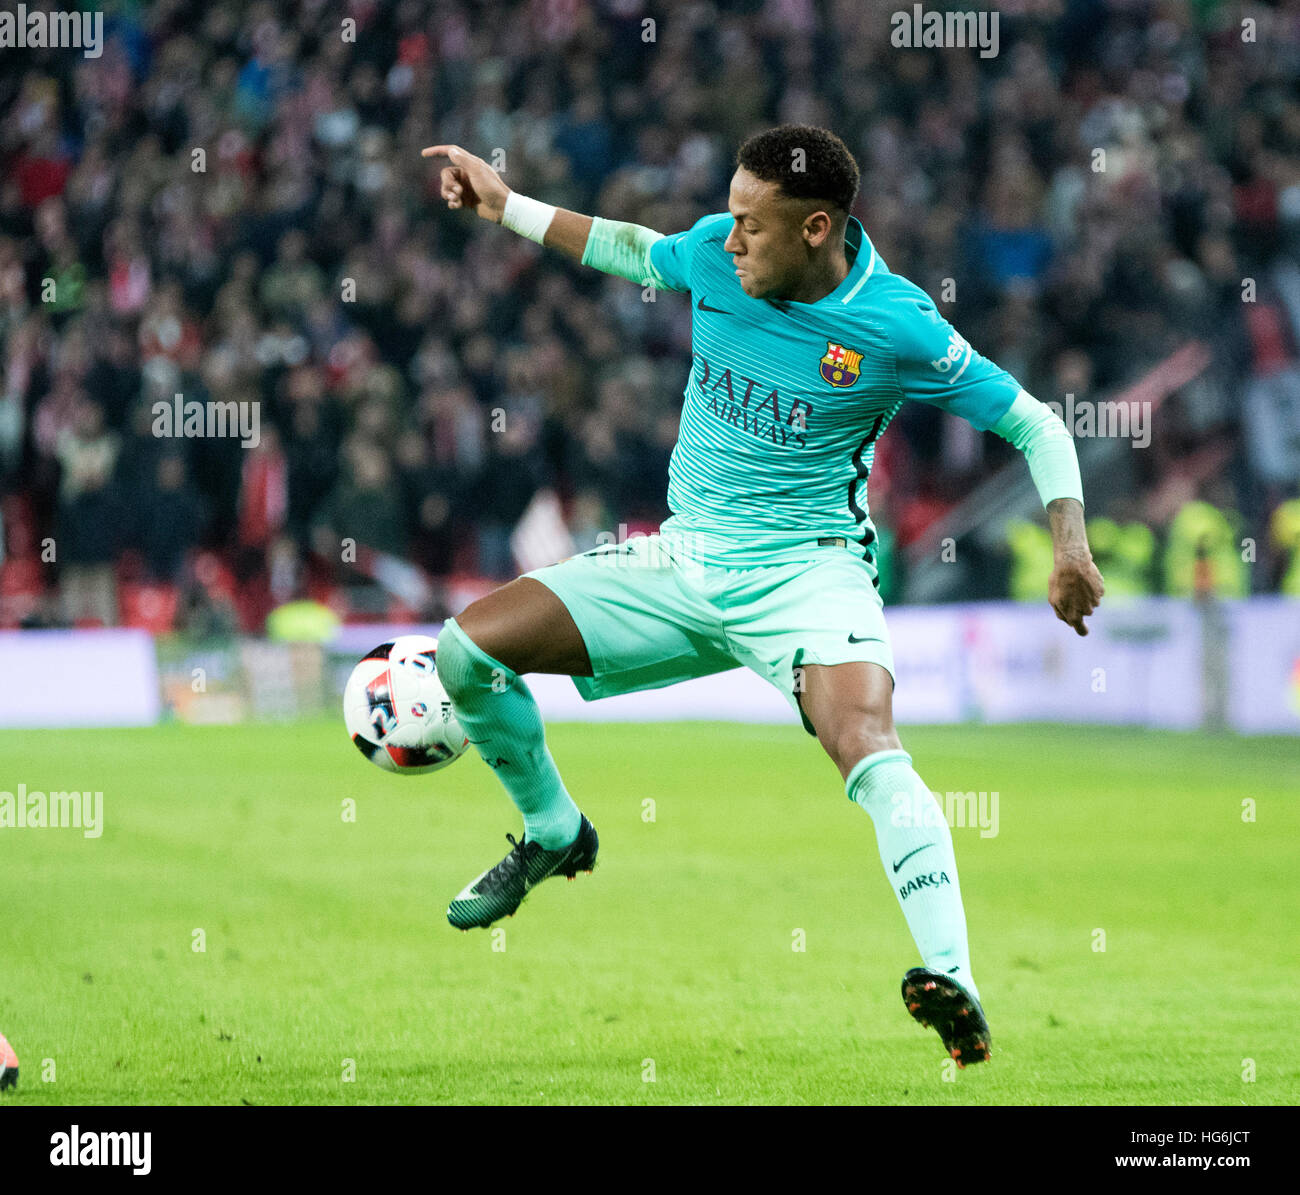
<point x="1075" y="587"/>
<point x="608" y="245"/>
<point x="469" y="182"/>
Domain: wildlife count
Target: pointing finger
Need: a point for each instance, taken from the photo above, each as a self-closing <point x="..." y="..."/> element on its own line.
<point x="1072" y="617"/>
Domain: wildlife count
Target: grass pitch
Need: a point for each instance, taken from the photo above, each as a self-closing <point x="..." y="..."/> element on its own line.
<point x="329" y="975"/>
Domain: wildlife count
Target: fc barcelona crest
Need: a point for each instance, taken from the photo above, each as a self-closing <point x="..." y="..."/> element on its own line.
<point x="840" y="365"/>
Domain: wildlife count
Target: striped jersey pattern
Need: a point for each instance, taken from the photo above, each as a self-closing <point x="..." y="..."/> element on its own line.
<point x="786" y="401"/>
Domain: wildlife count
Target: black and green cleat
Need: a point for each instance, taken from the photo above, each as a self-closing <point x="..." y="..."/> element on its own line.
<point x="500" y="890"/>
<point x="939" y="1002"/>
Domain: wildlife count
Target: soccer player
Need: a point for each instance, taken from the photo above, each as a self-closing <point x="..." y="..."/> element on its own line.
<point x="804" y="347"/>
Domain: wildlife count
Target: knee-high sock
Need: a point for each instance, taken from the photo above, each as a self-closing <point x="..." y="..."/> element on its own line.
<point x="916" y="851"/>
<point x="502" y="720"/>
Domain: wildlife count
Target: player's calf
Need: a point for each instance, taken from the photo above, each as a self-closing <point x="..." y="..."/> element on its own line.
<point x="499" y="716"/>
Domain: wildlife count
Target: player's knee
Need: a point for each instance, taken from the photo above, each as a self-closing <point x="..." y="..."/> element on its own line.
<point x="851" y="743"/>
<point x="457" y="663"/>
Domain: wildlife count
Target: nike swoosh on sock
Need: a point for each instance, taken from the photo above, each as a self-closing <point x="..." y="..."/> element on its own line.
<point x="909" y="854"/>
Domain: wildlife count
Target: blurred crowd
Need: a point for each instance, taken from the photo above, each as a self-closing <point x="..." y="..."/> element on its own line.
<point x="230" y="205"/>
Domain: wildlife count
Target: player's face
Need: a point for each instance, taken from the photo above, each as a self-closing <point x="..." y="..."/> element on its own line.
<point x="768" y="243"/>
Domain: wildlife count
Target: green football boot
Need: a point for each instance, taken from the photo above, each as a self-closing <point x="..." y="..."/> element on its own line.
<point x="500" y="890"/>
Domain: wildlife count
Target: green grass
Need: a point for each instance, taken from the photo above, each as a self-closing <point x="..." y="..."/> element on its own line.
<point x="326" y="941"/>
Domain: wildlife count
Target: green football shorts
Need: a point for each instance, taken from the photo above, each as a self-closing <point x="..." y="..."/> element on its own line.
<point x="652" y="615"/>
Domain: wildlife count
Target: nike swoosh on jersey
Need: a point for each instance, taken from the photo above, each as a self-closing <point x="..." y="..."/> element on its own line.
<point x="702" y="306"/>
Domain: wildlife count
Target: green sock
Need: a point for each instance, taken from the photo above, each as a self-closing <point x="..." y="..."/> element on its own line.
<point x="499" y="715"/>
<point x="916" y="850"/>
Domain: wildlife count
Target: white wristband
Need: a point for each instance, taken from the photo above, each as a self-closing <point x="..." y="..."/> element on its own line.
<point x="528" y="217"/>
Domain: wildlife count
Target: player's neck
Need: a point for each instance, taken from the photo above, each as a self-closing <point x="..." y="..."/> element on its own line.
<point x="822" y="279"/>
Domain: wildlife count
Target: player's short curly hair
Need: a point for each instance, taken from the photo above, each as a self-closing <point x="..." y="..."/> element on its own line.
<point x="807" y="162"/>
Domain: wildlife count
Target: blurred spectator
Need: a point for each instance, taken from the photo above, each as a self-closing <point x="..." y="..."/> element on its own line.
<point x="1284" y="533"/>
<point x="167" y="520"/>
<point x="511" y="475"/>
<point x="87" y="541"/>
<point x="264" y="493"/>
<point x="365" y="507"/>
<point x="1203" y="555"/>
<point x="293" y="283"/>
<point x="1125" y="555"/>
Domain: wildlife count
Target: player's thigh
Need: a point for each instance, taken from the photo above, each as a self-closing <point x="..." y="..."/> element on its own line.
<point x="623" y="615"/>
<point x="642" y="615"/>
<point x="526" y="627"/>
<point x="817" y="632"/>
<point x="850" y="707"/>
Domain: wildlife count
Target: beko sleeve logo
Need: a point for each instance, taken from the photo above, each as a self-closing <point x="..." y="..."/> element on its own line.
<point x="958" y="350"/>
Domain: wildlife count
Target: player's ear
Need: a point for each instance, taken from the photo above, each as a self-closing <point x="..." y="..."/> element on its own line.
<point x="816" y="228"/>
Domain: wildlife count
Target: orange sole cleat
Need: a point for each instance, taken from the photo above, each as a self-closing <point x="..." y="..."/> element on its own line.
<point x="937" y="1001"/>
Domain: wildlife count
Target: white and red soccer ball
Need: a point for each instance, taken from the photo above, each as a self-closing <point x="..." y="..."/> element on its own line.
<point x="397" y="712"/>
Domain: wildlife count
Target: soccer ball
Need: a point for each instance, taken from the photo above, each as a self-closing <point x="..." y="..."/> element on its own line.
<point x="397" y="712"/>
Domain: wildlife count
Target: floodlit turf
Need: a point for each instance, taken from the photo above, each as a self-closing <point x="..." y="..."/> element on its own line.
<point x="669" y="976"/>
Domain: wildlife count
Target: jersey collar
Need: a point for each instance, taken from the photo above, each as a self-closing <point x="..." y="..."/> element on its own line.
<point x="863" y="262"/>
